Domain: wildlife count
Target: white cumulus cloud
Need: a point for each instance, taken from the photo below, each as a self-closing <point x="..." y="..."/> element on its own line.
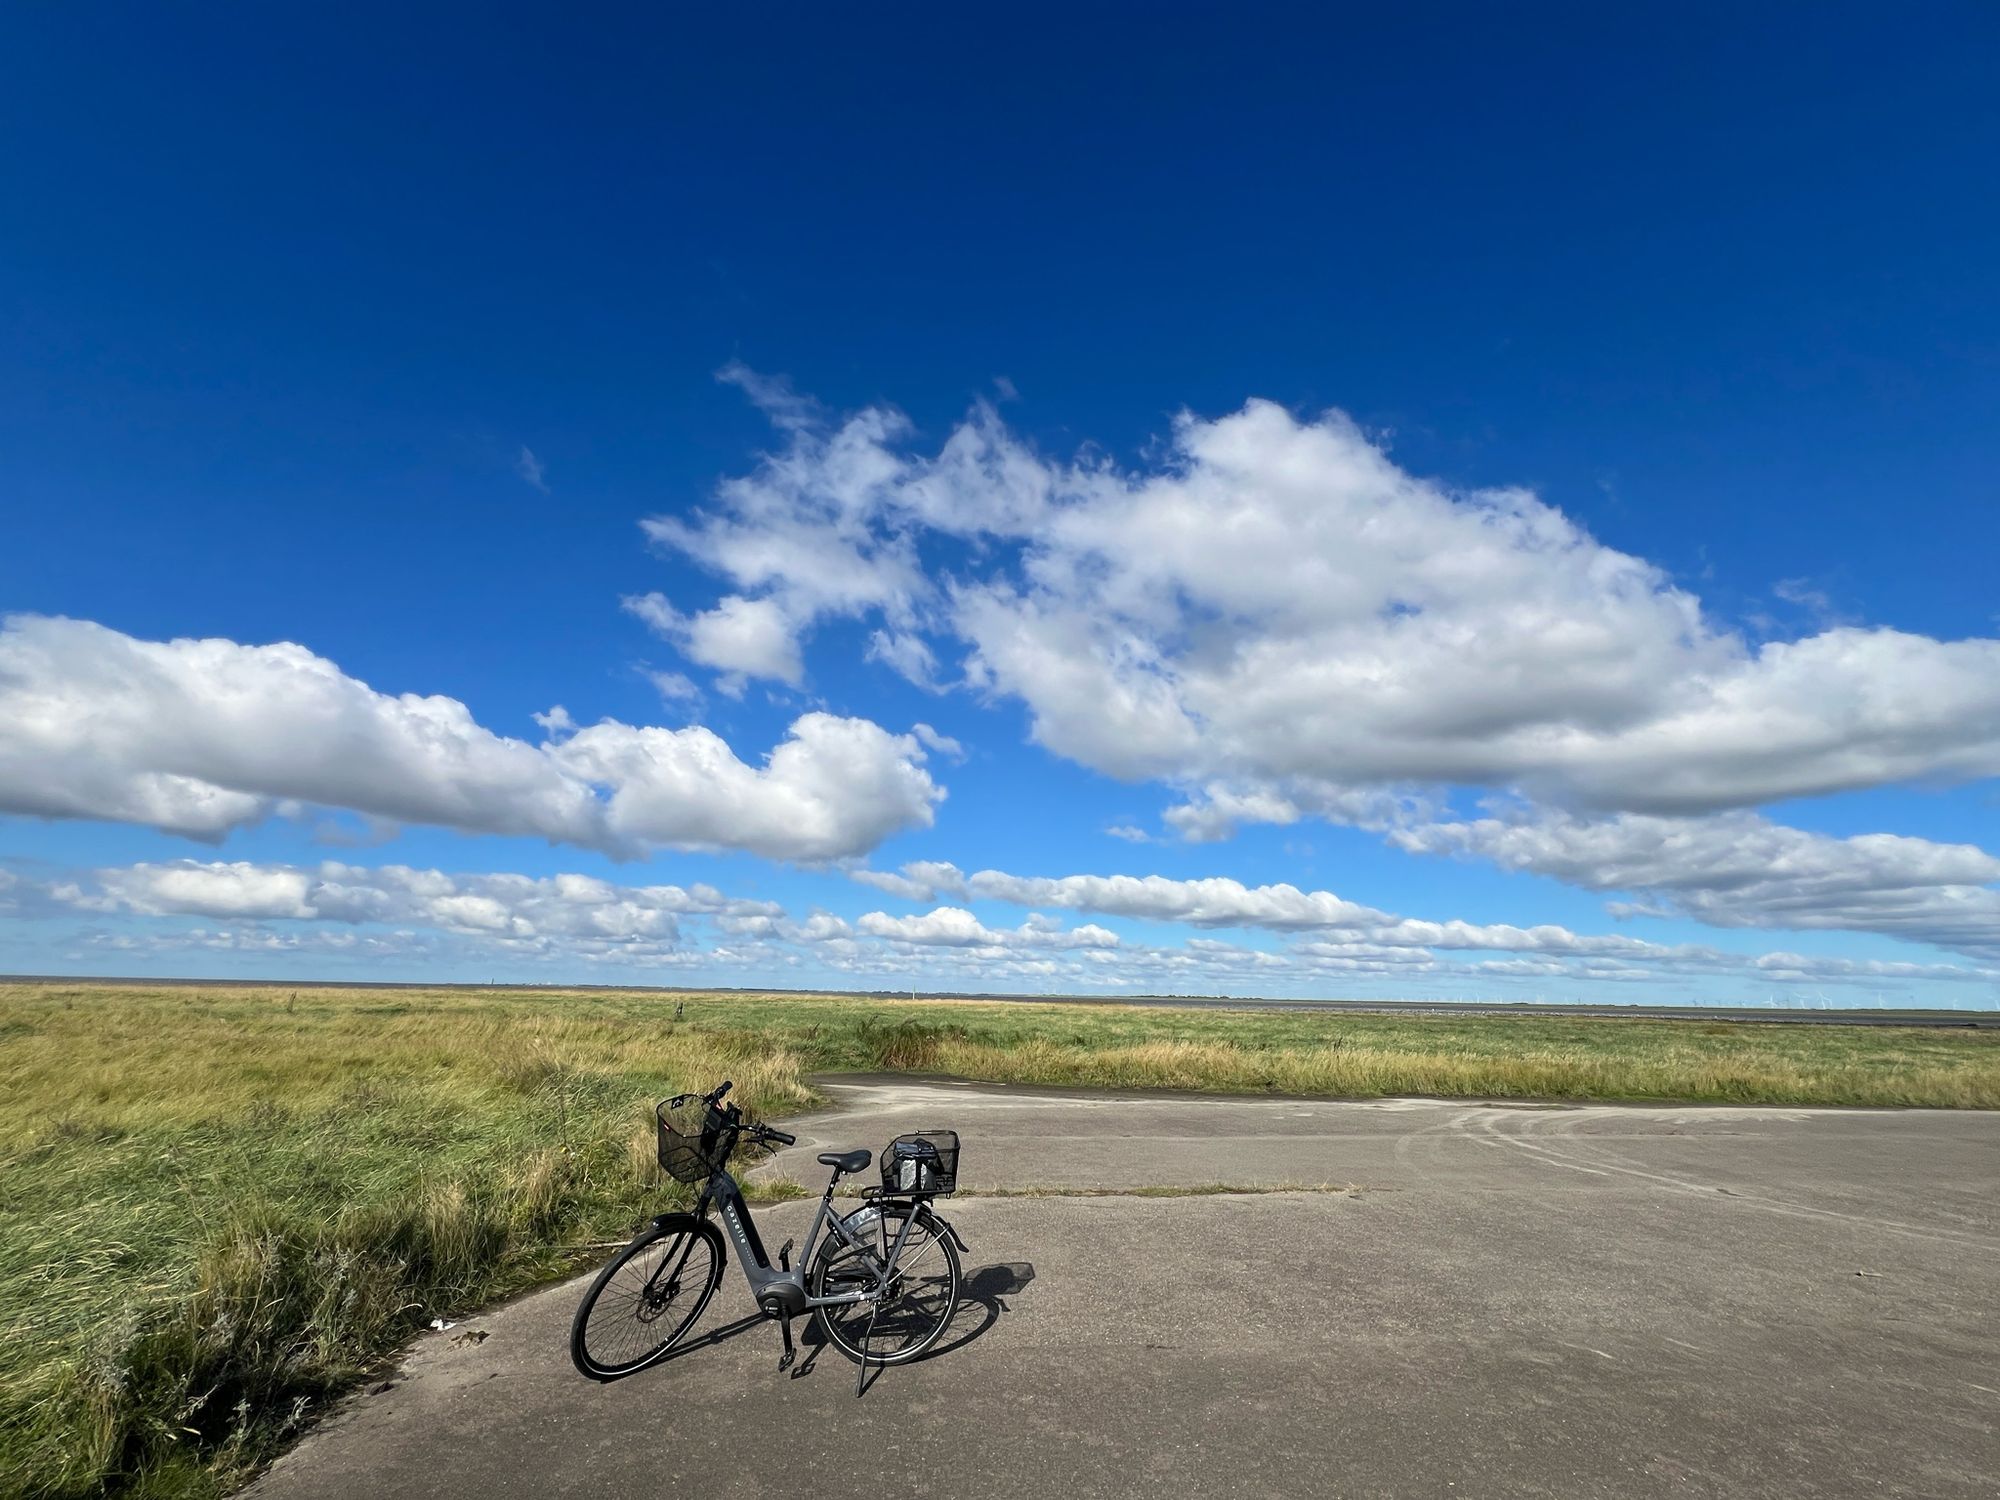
<point x="1277" y="605"/>
<point x="1742" y="870"/>
<point x="1213" y="902"/>
<point x="345" y="910"/>
<point x="577" y="910"/>
<point x="955" y="927"/>
<point x="197" y="737"/>
<point x="1756" y="875"/>
<point x="740" y="638"/>
<point x="834" y="787"/>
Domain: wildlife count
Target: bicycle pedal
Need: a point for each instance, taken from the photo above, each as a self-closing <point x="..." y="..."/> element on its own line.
<point x="785" y="1256"/>
<point x="784" y="1361"/>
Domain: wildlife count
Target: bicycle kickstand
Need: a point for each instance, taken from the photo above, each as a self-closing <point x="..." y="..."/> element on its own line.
<point x="861" y="1378"/>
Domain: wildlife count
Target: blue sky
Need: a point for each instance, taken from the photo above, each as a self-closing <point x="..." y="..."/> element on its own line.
<point x="1483" y="504"/>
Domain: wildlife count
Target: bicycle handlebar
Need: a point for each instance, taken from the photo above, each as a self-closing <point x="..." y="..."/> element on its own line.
<point x="764" y="1132"/>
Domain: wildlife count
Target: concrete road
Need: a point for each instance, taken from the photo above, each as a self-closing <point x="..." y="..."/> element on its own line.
<point x="1475" y="1301"/>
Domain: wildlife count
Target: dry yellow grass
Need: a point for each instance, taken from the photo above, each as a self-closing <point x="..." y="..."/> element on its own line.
<point x="1533" y="1073"/>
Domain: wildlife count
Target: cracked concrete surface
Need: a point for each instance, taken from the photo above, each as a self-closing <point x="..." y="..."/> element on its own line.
<point x="1518" y="1301"/>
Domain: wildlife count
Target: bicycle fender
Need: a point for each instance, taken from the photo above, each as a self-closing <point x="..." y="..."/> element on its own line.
<point x="946" y="1225"/>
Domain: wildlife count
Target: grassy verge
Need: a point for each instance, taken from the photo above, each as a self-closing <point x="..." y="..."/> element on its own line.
<point x="219" y="1206"/>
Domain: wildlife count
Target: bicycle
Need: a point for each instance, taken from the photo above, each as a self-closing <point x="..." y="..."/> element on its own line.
<point x="872" y="1277"/>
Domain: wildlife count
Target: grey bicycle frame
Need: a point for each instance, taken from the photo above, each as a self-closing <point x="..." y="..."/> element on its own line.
<point x="780" y="1290"/>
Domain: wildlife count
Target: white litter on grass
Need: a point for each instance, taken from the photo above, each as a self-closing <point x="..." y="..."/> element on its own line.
<point x="439" y="1325"/>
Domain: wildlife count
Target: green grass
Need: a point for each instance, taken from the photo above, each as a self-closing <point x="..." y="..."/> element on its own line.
<point x="219" y="1207"/>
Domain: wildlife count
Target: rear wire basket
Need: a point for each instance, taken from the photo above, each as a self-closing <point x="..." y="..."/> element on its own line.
<point x="695" y="1138"/>
<point x="924" y="1161"/>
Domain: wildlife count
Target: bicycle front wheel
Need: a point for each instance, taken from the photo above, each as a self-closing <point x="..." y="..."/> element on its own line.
<point x="912" y="1310"/>
<point x="648" y="1297"/>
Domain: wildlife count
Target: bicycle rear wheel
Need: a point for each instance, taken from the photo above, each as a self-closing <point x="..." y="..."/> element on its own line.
<point x="648" y="1297"/>
<point x="921" y="1297"/>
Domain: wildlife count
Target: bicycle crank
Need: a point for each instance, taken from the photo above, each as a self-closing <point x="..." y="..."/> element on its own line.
<point x="773" y="1308"/>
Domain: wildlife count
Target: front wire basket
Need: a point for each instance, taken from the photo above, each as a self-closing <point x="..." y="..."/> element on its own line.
<point x="695" y="1138"/>
<point x="924" y="1161"/>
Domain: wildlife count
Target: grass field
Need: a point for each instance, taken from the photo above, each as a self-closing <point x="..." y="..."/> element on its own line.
<point x="219" y="1207"/>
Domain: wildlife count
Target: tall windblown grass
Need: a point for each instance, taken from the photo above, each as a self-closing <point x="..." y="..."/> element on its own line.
<point x="211" y="1220"/>
<point x="1373" y="1071"/>
<point x="219" y="1207"/>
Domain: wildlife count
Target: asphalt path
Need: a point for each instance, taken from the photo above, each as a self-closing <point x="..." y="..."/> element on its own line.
<point x="1466" y="1300"/>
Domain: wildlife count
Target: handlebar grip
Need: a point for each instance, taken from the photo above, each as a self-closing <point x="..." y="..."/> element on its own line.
<point x="780" y="1136"/>
<point x="727" y="1085"/>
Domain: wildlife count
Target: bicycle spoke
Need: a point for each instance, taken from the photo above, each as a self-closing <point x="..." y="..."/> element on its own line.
<point x="648" y="1302"/>
<point x="909" y="1313"/>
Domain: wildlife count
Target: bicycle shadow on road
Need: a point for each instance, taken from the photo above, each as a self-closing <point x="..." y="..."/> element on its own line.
<point x="982" y="1303"/>
<point x="985" y="1290"/>
<point x="713" y="1337"/>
